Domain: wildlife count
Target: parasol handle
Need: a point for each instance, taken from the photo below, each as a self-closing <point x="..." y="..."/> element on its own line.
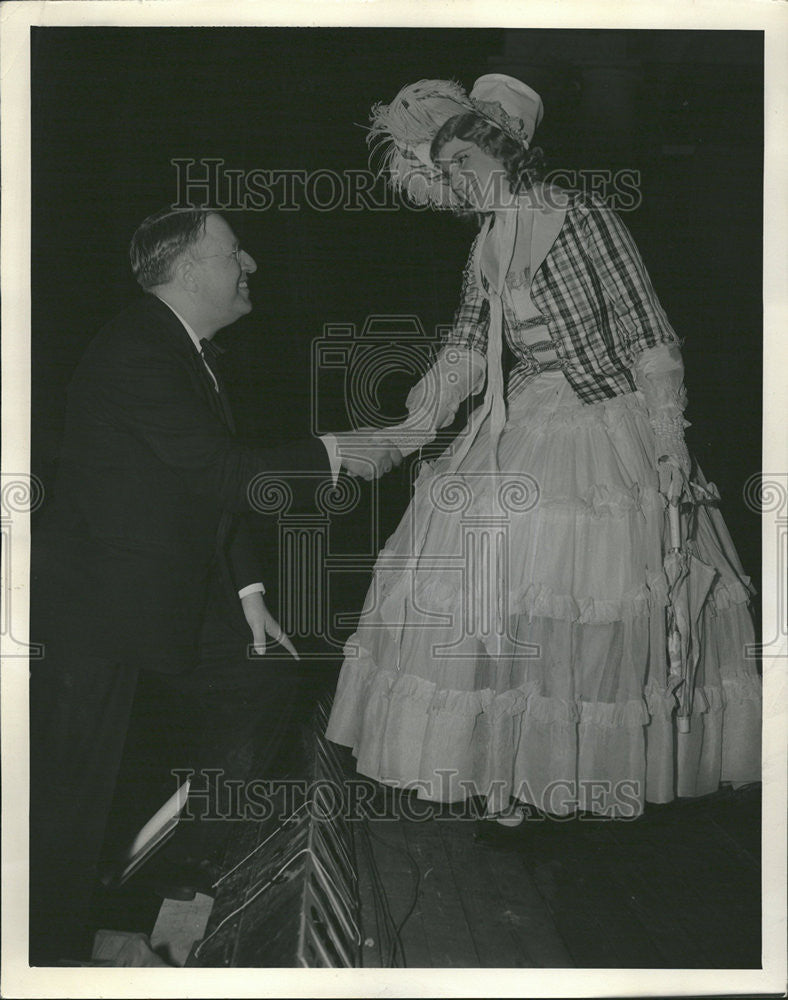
<point x="675" y="524"/>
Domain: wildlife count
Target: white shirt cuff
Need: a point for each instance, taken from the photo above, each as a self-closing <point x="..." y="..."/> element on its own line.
<point x="253" y="588"/>
<point x="333" y="456"/>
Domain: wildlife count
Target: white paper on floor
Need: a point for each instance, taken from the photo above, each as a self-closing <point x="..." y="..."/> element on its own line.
<point x="179" y="924"/>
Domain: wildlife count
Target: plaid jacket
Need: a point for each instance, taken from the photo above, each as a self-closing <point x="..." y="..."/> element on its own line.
<point x="596" y="299"/>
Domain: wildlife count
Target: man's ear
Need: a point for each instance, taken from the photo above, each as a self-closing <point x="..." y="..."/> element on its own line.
<point x="185" y="273"/>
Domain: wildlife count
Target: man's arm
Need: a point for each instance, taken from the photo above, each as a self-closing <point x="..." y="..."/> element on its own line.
<point x="244" y="561"/>
<point x="151" y="394"/>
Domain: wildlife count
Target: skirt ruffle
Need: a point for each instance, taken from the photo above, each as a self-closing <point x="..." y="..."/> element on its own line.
<point x="513" y="642"/>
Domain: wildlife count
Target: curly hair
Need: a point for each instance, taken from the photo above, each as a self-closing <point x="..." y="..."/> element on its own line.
<point x="522" y="167"/>
<point x="161" y="239"/>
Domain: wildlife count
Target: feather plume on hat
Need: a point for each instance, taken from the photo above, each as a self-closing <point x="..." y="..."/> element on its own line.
<point x="401" y="133"/>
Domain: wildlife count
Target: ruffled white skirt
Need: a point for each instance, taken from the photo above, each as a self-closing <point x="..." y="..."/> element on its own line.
<point x="513" y="642"/>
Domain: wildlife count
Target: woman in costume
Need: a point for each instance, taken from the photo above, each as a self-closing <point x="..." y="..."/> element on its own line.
<point x="560" y="619"/>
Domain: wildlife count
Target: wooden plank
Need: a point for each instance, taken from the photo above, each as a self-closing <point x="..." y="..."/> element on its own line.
<point x="657" y="874"/>
<point x="390" y="849"/>
<point x="607" y="907"/>
<point x="449" y="939"/>
<point x="497" y="932"/>
<point x="563" y="892"/>
<point x="571" y="870"/>
<point x="719" y="879"/>
<point x="739" y="814"/>
<point x="527" y="914"/>
<point x="724" y="897"/>
<point x="743" y="843"/>
<point x="370" y="923"/>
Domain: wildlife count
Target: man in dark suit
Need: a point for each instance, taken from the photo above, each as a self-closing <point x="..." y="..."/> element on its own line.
<point x="143" y="561"/>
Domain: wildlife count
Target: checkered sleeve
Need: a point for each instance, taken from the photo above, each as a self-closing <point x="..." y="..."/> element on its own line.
<point x="472" y="318"/>
<point x="640" y="318"/>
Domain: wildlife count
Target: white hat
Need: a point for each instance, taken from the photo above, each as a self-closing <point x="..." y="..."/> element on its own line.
<point x="401" y="133"/>
<point x="521" y="108"/>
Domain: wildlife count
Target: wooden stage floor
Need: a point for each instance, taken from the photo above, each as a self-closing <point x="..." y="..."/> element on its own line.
<point x="679" y="888"/>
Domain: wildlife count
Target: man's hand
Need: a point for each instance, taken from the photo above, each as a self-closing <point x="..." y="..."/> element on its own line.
<point x="262" y="622"/>
<point x="367" y="453"/>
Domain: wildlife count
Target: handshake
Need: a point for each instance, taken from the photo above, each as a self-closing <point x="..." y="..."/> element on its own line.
<point x="366" y="453"/>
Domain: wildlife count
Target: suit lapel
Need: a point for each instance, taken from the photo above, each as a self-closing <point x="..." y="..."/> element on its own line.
<point x="218" y="401"/>
<point x="224" y="403"/>
<point x="214" y="397"/>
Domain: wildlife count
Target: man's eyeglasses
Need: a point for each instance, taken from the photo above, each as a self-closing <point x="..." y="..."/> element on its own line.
<point x="232" y="253"/>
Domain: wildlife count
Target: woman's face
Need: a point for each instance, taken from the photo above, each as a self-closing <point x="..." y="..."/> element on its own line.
<point x="475" y="176"/>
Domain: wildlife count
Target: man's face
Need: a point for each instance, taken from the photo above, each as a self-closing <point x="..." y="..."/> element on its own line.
<point x="222" y="271"/>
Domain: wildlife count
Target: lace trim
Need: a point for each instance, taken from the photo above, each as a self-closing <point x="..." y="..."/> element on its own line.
<point x="742" y="688"/>
<point x="371" y="698"/>
<point x="360" y="672"/>
<point x="542" y="345"/>
<point x="541" y="601"/>
<point x="535" y="600"/>
<point x="604" y="414"/>
<point x="602" y="499"/>
<point x="529" y="324"/>
<point x="519" y="279"/>
<point x="669" y="425"/>
<point x="736" y="690"/>
<point x="728" y="594"/>
<point x="538" y="600"/>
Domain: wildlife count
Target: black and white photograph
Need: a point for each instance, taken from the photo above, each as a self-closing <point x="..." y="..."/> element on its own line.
<point x="394" y="500"/>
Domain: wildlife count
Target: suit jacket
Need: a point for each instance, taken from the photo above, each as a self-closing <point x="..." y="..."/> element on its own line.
<point x="150" y="487"/>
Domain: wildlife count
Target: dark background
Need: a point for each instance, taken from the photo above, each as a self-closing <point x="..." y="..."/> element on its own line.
<point x="112" y="107"/>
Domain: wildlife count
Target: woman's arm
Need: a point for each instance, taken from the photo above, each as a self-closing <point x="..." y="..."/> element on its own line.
<point x="457" y="373"/>
<point x="657" y="365"/>
<point x="472" y="318"/>
<point x="640" y="319"/>
<point x="659" y="374"/>
<point x="460" y="366"/>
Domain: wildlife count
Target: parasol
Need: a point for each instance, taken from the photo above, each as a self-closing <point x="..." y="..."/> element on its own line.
<point x="689" y="583"/>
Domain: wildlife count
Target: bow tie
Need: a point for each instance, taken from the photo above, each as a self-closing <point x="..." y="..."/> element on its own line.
<point x="211" y="351"/>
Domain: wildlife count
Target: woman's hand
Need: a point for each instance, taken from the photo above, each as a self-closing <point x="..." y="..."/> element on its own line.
<point x="263" y="623"/>
<point x="674" y="473"/>
<point x="659" y="374"/>
<point x="674" y="464"/>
